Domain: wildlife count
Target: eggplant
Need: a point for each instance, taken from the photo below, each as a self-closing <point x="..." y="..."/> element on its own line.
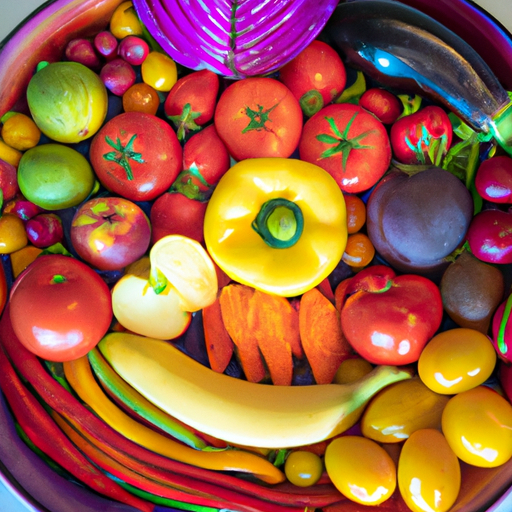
<point x="403" y="48"/>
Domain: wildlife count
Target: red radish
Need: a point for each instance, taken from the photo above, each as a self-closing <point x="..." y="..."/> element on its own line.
<point x="82" y="51"/>
<point x="494" y="179"/>
<point x="316" y="76"/>
<point x="133" y="50"/>
<point x="490" y="236"/>
<point x="118" y="76"/>
<point x="106" y="44"/>
<point x="44" y="230"/>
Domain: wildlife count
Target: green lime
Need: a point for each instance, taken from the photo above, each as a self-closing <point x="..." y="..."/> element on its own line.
<point x="54" y="176"/>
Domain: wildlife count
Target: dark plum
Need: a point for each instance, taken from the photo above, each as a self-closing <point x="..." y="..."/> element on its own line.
<point x="82" y="51"/>
<point x="44" y="230"/>
<point x="471" y="292"/>
<point x="493" y="179"/>
<point x="133" y="50"/>
<point x="416" y="221"/>
<point x="118" y="76"/>
<point x="490" y="236"/>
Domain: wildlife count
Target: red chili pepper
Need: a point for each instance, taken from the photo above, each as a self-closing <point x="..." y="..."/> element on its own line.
<point x="45" y="434"/>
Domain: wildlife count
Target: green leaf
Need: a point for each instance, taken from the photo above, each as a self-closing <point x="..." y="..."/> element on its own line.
<point x="57" y="248"/>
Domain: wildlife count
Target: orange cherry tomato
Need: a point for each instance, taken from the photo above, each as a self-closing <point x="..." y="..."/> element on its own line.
<point x="359" y="251"/>
<point x="456" y="360"/>
<point x="12" y="233"/>
<point x="360" y="469"/>
<point x="141" y="97"/>
<point x="478" y="427"/>
<point x="303" y="468"/>
<point x="20" y="132"/>
<point x="356" y="213"/>
<point x="428" y="472"/>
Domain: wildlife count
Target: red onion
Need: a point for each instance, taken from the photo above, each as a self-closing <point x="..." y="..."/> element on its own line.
<point x="235" y="39"/>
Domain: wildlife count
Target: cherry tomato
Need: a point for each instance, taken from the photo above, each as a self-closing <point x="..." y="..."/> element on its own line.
<point x="159" y="71"/>
<point x="356" y="213"/>
<point x="141" y="97"/>
<point x="351" y="370"/>
<point x="128" y="162"/>
<point x="20" y="132"/>
<point x="359" y="251"/>
<point x="258" y="117"/>
<point x="12" y="233"/>
<point x="351" y="144"/>
<point x="493" y="179"/>
<point x="303" y="468"/>
<point x="428" y="472"/>
<point x="456" y="360"/>
<point x="124" y="21"/>
<point x="60" y="308"/>
<point x="382" y="104"/>
<point x="478" y="427"/>
<point x="360" y="469"/>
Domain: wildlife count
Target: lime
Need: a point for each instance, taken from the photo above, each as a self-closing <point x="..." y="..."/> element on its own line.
<point x="187" y="266"/>
<point x="54" y="176"/>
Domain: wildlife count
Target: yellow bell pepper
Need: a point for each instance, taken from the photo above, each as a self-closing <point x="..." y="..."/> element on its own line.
<point x="276" y="224"/>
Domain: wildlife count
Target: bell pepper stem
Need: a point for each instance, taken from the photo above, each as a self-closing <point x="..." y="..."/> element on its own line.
<point x="279" y="223"/>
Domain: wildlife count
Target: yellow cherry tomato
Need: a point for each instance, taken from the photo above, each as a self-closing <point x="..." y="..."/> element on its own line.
<point x="456" y="360"/>
<point x="428" y="472"/>
<point x="20" y="132"/>
<point x="400" y="409"/>
<point x="303" y="468"/>
<point x="478" y="427"/>
<point x="159" y="71"/>
<point x="12" y="233"/>
<point x="125" y="22"/>
<point x="360" y="469"/>
<point x="351" y="370"/>
<point x="9" y="154"/>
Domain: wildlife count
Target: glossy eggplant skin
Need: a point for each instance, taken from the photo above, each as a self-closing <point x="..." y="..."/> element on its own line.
<point x="403" y="48"/>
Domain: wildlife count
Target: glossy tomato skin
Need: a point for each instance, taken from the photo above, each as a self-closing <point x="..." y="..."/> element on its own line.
<point x="257" y="118"/>
<point x="348" y="142"/>
<point x="136" y="155"/>
<point x="60" y="308"/>
<point x="389" y="319"/>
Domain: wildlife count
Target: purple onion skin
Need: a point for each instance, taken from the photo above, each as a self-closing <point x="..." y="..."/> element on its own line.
<point x="490" y="236"/>
<point x="52" y="491"/>
<point x="256" y="39"/>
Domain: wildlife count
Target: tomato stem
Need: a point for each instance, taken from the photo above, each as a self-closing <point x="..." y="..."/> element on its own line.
<point x="503" y="324"/>
<point x="123" y="154"/>
<point x="58" y="278"/>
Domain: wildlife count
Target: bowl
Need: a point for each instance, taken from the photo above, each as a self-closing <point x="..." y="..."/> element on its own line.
<point x="43" y="36"/>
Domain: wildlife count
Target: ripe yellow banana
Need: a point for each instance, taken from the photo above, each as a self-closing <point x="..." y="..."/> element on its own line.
<point x="237" y="411"/>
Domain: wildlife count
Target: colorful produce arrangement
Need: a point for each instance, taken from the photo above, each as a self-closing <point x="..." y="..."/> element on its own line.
<point x="257" y="285"/>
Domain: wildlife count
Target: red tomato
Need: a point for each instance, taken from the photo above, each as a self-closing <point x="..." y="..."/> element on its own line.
<point x="349" y="143"/>
<point x="60" y="308"/>
<point x="136" y="155"/>
<point x="176" y="214"/>
<point x="422" y="137"/>
<point x="382" y="104"/>
<point x="191" y="101"/>
<point x="3" y="288"/>
<point x="258" y="117"/>
<point x="316" y="76"/>
<point x="389" y="319"/>
<point x="205" y="160"/>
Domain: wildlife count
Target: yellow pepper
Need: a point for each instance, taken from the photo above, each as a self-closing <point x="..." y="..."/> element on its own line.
<point x="276" y="224"/>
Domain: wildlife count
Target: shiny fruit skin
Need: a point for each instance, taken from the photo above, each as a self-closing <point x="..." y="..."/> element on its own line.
<point x="303" y="468"/>
<point x="478" y="427"/>
<point x="456" y="360"/>
<point x="428" y="472"/>
<point x="60" y="308"/>
<point x="360" y="469"/>
<point x="399" y="410"/>
<point x="12" y="234"/>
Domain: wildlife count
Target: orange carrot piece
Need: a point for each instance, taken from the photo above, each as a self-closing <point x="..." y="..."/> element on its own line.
<point x="268" y="321"/>
<point x="321" y="335"/>
<point x="234" y="303"/>
<point x="219" y="345"/>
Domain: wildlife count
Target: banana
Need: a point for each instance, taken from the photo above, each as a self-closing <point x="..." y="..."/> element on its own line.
<point x="238" y="411"/>
<point x="403" y="48"/>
